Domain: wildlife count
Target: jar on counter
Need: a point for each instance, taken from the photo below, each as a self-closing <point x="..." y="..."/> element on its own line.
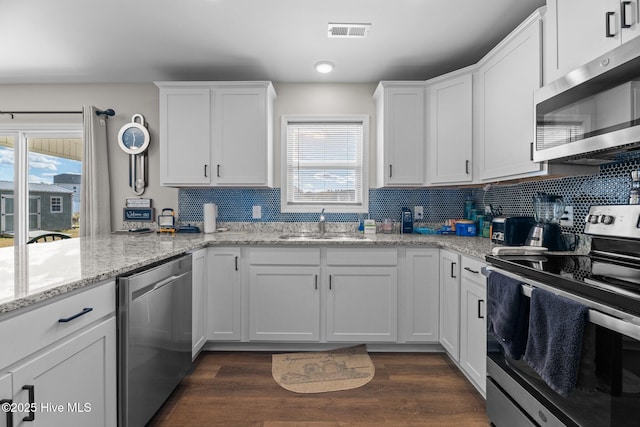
<point x="387" y="226"/>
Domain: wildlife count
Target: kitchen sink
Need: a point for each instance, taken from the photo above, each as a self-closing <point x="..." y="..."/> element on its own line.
<point x="323" y="236"/>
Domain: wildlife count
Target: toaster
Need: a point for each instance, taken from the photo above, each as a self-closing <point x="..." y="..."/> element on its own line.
<point x="511" y="230"/>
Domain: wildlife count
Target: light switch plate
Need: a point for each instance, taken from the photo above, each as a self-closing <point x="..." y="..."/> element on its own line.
<point x="418" y="212"/>
<point x="257" y="212"/>
<point x="567" y="218"/>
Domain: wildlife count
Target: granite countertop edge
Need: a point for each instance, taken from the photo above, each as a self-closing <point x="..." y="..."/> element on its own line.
<point x="160" y="247"/>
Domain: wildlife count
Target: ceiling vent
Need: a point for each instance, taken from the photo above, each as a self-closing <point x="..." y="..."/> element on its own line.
<point x="348" y="31"/>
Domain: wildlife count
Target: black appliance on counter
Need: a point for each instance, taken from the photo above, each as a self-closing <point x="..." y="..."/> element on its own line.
<point x="607" y="281"/>
<point x="548" y="209"/>
<point x="511" y="230"/>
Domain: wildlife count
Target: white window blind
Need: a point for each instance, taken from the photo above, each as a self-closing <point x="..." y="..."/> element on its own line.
<point x="325" y="164"/>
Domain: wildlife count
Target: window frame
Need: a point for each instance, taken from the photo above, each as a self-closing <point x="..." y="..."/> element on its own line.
<point x="22" y="132"/>
<point x="58" y="203"/>
<point x="362" y="207"/>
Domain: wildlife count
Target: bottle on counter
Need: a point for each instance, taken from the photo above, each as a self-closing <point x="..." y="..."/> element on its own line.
<point x="469" y="206"/>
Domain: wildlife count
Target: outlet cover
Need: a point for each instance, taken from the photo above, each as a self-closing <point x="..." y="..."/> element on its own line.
<point x="257" y="212"/>
<point x="567" y="217"/>
<point x="418" y="212"/>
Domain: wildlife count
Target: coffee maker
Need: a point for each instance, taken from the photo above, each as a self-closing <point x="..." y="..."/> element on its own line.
<point x="547" y="211"/>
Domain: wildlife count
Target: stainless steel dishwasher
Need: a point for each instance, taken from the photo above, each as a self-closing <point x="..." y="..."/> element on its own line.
<point x="154" y="337"/>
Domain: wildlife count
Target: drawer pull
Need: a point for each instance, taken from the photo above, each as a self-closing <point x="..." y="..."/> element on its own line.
<point x="70" y="318"/>
<point x="8" y="413"/>
<point x="32" y="400"/>
<point x="471" y="271"/>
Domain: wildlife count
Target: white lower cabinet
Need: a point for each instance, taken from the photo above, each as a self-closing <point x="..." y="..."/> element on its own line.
<point x="72" y="383"/>
<point x="223" y="294"/>
<point x="421" y="290"/>
<point x="284" y="294"/>
<point x="284" y="303"/>
<point x="362" y="295"/>
<point x="199" y="301"/>
<point x="362" y="304"/>
<point x="473" y="324"/>
<point x="6" y="396"/>
<point x="450" y="303"/>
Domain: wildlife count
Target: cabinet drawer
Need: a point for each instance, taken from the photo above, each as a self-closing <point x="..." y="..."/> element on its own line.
<point x="348" y="256"/>
<point x="471" y="270"/>
<point x="40" y="327"/>
<point x="284" y="256"/>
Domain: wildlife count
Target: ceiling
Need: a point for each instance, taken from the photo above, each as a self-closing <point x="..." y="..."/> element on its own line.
<point x="133" y="41"/>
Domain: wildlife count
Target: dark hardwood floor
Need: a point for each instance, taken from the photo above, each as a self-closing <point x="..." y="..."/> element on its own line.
<point x="409" y="389"/>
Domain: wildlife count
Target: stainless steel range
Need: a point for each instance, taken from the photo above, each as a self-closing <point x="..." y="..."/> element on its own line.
<point x="607" y="283"/>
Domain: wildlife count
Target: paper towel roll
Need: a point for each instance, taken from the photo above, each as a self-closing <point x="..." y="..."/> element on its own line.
<point x="210" y="214"/>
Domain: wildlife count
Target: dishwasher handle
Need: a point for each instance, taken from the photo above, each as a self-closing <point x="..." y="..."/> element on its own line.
<point x="155" y="286"/>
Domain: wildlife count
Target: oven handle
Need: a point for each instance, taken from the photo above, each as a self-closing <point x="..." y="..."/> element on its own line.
<point x="629" y="326"/>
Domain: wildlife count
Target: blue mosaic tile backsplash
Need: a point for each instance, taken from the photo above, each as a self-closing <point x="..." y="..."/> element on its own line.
<point x="610" y="186"/>
<point x="235" y="205"/>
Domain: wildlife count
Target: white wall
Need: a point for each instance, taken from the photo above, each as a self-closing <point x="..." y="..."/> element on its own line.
<point x="127" y="100"/>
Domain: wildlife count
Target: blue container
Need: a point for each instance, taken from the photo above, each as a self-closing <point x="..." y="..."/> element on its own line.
<point x="466" y="229"/>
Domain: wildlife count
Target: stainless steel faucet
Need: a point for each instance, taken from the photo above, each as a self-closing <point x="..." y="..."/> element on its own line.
<point x="322" y="223"/>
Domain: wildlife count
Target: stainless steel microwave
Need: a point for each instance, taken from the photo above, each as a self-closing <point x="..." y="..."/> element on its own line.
<point x="591" y="114"/>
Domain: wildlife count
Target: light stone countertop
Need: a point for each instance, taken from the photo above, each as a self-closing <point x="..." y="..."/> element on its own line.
<point x="36" y="272"/>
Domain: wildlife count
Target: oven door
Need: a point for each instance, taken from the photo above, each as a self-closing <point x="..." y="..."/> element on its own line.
<point x="608" y="389"/>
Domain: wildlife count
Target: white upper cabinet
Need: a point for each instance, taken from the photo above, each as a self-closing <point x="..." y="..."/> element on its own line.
<point x="507" y="79"/>
<point x="577" y="31"/>
<point x="450" y="129"/>
<point x="216" y="133"/>
<point x="243" y="135"/>
<point x="185" y="139"/>
<point x="400" y="110"/>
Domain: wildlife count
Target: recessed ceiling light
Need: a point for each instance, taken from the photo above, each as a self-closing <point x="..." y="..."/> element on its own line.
<point x="324" y="67"/>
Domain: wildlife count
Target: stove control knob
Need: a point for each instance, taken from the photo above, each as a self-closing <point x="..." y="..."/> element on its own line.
<point x="593" y="219"/>
<point x="606" y="219"/>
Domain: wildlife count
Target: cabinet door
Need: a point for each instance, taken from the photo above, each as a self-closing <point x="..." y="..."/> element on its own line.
<point x="421" y="295"/>
<point x="6" y="396"/>
<point x="451" y="130"/>
<point x="362" y="304"/>
<point x="185" y="139"/>
<point x="284" y="303"/>
<point x="223" y="294"/>
<point x="450" y="302"/>
<point x="473" y="326"/>
<point x="199" y="301"/>
<point x="241" y="143"/>
<point x="73" y="383"/>
<point x="507" y="81"/>
<point x="401" y="136"/>
<point x="580" y="32"/>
